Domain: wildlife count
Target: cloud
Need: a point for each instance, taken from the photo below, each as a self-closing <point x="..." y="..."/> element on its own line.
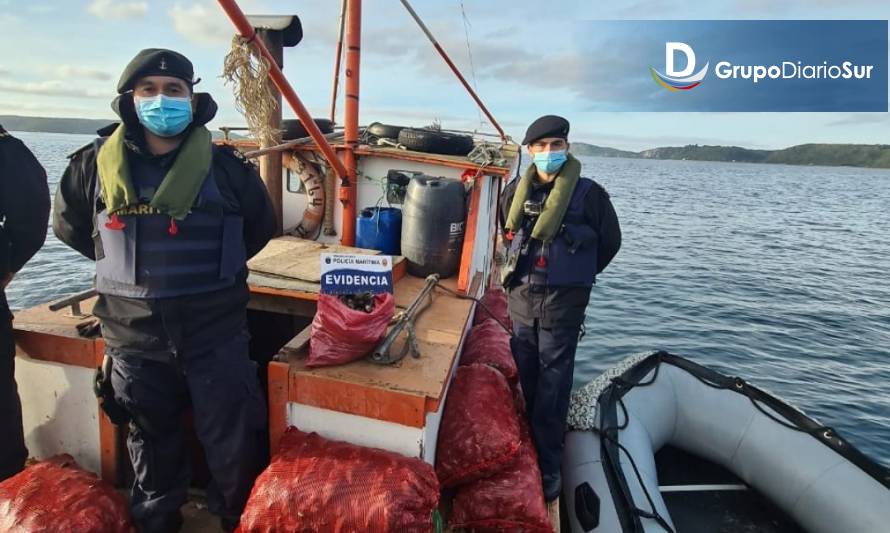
<point x="41" y="9"/>
<point x="115" y="10"/>
<point x="201" y="23"/>
<point x="51" y="88"/>
<point x="205" y="23"/>
<point x="861" y="119"/>
<point x="79" y="72"/>
<point x="4" y="72"/>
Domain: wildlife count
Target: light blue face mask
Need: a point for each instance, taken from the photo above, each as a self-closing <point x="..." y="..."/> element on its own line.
<point x="550" y="162"/>
<point x="164" y="115"/>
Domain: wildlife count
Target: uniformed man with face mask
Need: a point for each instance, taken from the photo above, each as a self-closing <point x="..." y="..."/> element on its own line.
<point x="170" y="219"/>
<point x="561" y="231"/>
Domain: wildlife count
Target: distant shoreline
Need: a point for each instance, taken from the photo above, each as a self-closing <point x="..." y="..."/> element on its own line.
<point x="832" y="155"/>
<point x="86" y="126"/>
<point x="828" y="155"/>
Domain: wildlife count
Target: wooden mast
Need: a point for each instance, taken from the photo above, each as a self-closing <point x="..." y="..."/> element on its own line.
<point x="270" y="163"/>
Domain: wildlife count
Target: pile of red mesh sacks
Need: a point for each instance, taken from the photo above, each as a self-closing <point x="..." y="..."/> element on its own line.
<point x="57" y="495"/>
<point x="316" y="484"/>
<point x="485" y="451"/>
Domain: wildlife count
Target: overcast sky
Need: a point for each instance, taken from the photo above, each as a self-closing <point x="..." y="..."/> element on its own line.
<point x="63" y="58"/>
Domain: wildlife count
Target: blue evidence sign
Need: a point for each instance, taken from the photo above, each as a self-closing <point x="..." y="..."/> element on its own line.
<point x="744" y="65"/>
<point x="356" y="273"/>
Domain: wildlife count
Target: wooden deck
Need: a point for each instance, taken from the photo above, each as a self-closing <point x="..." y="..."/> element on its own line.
<point x="439" y="332"/>
<point x="403" y="393"/>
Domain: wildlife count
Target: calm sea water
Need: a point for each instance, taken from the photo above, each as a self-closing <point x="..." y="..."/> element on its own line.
<point x="778" y="274"/>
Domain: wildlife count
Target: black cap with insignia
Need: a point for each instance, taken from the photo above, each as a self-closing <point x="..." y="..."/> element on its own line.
<point x="156" y="62"/>
<point x="547" y="126"/>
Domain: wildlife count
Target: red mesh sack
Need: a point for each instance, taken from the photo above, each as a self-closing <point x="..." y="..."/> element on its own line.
<point x="57" y="495"/>
<point x="479" y="434"/>
<point x="489" y="344"/>
<point x="340" y="334"/>
<point x="316" y="484"/>
<point x="496" y="302"/>
<point x="509" y="501"/>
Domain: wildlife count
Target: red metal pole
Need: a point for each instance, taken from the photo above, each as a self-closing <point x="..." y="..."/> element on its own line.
<point x="453" y="68"/>
<point x="247" y="32"/>
<point x="349" y="189"/>
<point x="338" y="55"/>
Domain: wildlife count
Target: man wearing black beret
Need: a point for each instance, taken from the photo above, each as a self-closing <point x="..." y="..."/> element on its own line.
<point x="170" y="219"/>
<point x="560" y="231"/>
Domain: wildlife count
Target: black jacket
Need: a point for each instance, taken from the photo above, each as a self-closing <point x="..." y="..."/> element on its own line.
<point x="147" y="326"/>
<point x="24" y="208"/>
<point x="565" y="306"/>
<point x="24" y="204"/>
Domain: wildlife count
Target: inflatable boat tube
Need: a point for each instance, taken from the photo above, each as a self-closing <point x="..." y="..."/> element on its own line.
<point x="619" y="421"/>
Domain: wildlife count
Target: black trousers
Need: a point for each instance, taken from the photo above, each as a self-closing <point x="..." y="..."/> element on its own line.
<point x="12" y="438"/>
<point x="229" y="412"/>
<point x="546" y="361"/>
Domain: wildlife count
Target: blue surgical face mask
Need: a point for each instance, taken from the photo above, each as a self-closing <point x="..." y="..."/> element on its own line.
<point x="163" y="115"/>
<point x="550" y="162"/>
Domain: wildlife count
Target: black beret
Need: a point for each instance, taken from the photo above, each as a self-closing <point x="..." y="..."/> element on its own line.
<point x="156" y="62"/>
<point x="547" y="126"/>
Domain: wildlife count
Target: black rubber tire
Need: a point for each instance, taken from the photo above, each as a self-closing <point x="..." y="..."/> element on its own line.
<point x="386" y="131"/>
<point x="293" y="129"/>
<point x="435" y="142"/>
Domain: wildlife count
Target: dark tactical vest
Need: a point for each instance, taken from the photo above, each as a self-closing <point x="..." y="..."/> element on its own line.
<point x="567" y="261"/>
<point x="143" y="254"/>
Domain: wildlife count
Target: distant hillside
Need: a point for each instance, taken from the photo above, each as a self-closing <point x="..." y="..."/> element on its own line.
<point x="579" y="148"/>
<point x="52" y="125"/>
<point x="851" y="155"/>
<point x="695" y="152"/>
<point x="85" y="126"/>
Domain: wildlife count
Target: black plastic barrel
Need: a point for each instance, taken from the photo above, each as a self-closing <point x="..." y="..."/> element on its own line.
<point x="433" y="222"/>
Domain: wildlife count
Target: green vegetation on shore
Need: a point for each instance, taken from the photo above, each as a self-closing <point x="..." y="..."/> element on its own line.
<point x="850" y="155"/>
<point x="86" y="126"/>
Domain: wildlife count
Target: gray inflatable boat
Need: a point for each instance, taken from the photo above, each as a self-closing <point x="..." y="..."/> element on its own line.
<point x="661" y="444"/>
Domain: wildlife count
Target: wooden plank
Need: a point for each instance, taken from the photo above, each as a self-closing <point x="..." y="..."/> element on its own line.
<point x="466" y="256"/>
<point x="296" y="347"/>
<point x="291" y="267"/>
<point x="279" y="384"/>
<point x="291" y="257"/>
<point x="56" y="348"/>
<point x="553" y="512"/>
<point x="288" y="288"/>
<point x="357" y="399"/>
<point x="111" y="437"/>
<point x="40" y="319"/>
